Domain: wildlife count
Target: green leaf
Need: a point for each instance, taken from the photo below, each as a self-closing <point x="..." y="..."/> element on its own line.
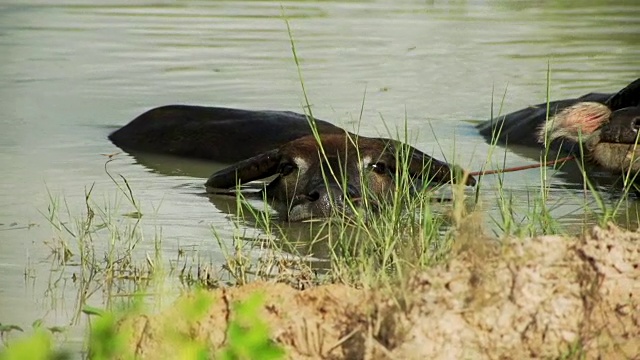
<point x="8" y="328"/>
<point x="57" y="329"/>
<point x="89" y="310"/>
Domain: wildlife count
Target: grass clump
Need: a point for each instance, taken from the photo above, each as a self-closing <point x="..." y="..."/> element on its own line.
<point x="111" y="334"/>
<point x="98" y="246"/>
<point x="38" y="346"/>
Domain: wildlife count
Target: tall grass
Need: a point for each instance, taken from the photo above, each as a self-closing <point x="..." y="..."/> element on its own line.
<point x="97" y="247"/>
<point x="380" y="242"/>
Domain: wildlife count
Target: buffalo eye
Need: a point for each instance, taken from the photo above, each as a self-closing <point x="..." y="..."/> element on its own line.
<point x="380" y="168"/>
<point x="286" y="168"/>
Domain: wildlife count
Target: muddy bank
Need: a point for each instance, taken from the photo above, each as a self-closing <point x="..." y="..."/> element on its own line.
<point x="530" y="298"/>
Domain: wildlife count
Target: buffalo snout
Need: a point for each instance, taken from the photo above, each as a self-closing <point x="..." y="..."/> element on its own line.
<point x="321" y="202"/>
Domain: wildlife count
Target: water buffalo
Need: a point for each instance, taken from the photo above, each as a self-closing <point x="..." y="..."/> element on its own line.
<point x="313" y="175"/>
<point x="214" y="133"/>
<point x="602" y="126"/>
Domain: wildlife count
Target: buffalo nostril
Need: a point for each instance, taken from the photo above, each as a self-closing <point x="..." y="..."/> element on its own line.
<point x="313" y="195"/>
<point x="325" y="195"/>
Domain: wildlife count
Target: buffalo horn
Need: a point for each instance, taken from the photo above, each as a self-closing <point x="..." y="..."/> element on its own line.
<point x="255" y="168"/>
<point x="432" y="170"/>
<point x="629" y="96"/>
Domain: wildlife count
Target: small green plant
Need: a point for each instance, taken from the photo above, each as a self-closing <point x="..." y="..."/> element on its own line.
<point x="108" y="339"/>
<point x="37" y="346"/>
<point x="248" y="335"/>
<point x="105" y="341"/>
<point x="575" y="351"/>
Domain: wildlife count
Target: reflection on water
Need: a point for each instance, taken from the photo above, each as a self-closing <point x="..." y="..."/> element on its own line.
<point x="72" y="71"/>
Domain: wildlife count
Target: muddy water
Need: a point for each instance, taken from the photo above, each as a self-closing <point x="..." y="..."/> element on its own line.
<point x="72" y="72"/>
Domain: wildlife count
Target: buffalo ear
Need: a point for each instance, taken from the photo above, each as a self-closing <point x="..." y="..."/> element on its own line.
<point x="429" y="169"/>
<point x="629" y="96"/>
<point x="255" y="168"/>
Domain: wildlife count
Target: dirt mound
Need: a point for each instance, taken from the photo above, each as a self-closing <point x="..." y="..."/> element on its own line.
<point x="544" y="297"/>
<point x="539" y="298"/>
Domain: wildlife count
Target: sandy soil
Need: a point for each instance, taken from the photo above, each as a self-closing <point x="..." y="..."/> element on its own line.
<point x="545" y="297"/>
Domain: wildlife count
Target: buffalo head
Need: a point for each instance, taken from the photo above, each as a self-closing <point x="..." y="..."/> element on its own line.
<point x="609" y="137"/>
<point x="608" y="131"/>
<point x="314" y="178"/>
